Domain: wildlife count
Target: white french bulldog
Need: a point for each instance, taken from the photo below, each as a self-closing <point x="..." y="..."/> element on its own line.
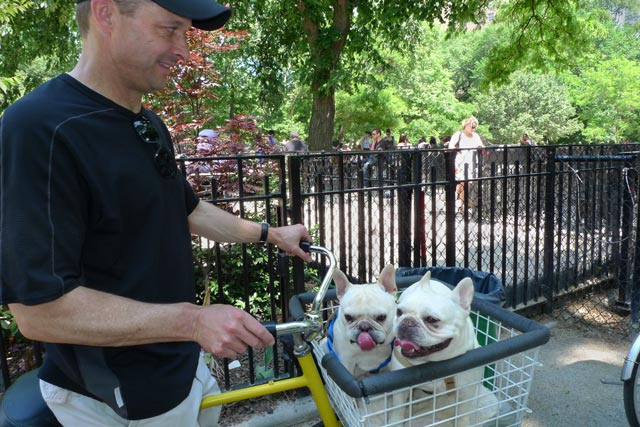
<point x="433" y="324"/>
<point x="360" y="334"/>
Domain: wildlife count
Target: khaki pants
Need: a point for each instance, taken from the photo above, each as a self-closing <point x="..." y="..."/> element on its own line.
<point x="76" y="410"/>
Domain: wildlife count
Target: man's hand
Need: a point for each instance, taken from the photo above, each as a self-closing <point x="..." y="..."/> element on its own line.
<point x="288" y="239"/>
<point x="226" y="331"/>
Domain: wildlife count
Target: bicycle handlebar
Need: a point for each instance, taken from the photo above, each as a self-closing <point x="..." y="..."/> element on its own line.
<point x="311" y="326"/>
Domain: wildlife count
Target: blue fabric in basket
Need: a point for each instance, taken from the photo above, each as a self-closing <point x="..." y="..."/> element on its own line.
<point x="487" y="285"/>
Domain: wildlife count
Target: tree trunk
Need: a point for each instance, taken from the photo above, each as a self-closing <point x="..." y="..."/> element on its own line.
<point x="325" y="49"/>
<point x="322" y="121"/>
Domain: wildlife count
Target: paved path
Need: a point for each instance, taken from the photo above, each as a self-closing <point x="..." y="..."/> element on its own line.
<point x="579" y="382"/>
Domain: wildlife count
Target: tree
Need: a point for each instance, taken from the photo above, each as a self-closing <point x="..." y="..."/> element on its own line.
<point x="425" y="84"/>
<point x="41" y="32"/>
<point x="320" y="37"/>
<point x="188" y="101"/>
<point x="367" y="109"/>
<point x="185" y="105"/>
<point x="604" y="85"/>
<point x="608" y="98"/>
<point x="534" y="104"/>
<point x="413" y="94"/>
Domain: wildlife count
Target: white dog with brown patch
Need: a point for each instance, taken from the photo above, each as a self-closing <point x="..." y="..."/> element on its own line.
<point x="433" y="324"/>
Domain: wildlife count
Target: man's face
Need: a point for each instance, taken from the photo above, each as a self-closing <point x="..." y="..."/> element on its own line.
<point x="376" y="135"/>
<point x="145" y="45"/>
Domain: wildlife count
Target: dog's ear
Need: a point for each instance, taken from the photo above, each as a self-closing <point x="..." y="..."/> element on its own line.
<point x="388" y="279"/>
<point x="464" y="293"/>
<point x="425" y="280"/>
<point x="342" y="283"/>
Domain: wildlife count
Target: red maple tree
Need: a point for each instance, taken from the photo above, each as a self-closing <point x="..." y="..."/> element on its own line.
<point x="185" y="107"/>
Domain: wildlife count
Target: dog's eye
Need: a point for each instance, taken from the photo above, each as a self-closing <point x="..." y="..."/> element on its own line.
<point x="430" y="319"/>
<point x="398" y="312"/>
<point x="381" y="318"/>
<point x="348" y="318"/>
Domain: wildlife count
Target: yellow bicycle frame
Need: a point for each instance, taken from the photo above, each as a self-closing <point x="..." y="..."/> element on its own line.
<point x="310" y="378"/>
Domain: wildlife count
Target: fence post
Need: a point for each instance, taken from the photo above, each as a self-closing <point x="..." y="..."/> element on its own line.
<point x="404" y="210"/>
<point x="362" y="243"/>
<point x="548" y="281"/>
<point x="342" y="214"/>
<point x="295" y="196"/>
<point x="625" y="239"/>
<point x="6" y="378"/>
<point x="450" y="207"/>
<point x="635" y="282"/>
<point x="418" y="205"/>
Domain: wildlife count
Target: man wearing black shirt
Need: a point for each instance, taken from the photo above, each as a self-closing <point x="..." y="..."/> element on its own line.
<point x="95" y="226"/>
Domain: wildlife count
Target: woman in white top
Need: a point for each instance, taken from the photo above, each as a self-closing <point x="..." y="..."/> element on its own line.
<point x="465" y="140"/>
<point x="404" y="141"/>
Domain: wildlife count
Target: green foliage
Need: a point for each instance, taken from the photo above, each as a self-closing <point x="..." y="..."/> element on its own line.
<point x="367" y="109"/>
<point x="608" y="99"/>
<point x="540" y="35"/>
<point x="42" y="30"/>
<point x="530" y="103"/>
<point x="466" y="56"/>
<point x="265" y="371"/>
<point x="604" y="85"/>
<point x="8" y="323"/>
<point x="282" y="63"/>
<point x="331" y="43"/>
<point x="235" y="279"/>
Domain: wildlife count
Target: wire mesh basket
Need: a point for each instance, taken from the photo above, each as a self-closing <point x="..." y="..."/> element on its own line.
<point x="487" y="386"/>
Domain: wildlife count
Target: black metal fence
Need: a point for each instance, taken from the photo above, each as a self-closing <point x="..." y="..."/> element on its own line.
<point x="548" y="221"/>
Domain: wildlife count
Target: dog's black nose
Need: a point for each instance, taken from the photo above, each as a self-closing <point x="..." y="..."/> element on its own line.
<point x="364" y="326"/>
<point x="409" y="322"/>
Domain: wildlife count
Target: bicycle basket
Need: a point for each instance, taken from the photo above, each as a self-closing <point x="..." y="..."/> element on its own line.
<point x="506" y="364"/>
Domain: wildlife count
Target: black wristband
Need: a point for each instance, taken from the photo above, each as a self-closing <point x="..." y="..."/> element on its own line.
<point x="264" y="233"/>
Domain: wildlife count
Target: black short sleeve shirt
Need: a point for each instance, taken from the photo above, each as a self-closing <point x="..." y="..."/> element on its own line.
<point x="83" y="204"/>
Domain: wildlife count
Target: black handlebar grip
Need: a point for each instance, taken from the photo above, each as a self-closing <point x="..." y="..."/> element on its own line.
<point x="305" y="246"/>
<point x="271" y="327"/>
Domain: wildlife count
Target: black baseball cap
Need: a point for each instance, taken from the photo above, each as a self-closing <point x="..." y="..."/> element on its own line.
<point x="204" y="14"/>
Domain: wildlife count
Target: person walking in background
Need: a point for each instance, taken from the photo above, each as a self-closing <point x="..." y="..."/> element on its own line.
<point x="383" y="144"/>
<point x="295" y="144"/>
<point x="365" y="142"/>
<point x="422" y="142"/>
<point x="525" y="140"/>
<point x="404" y="142"/>
<point x="97" y="223"/>
<point x="370" y="162"/>
<point x="271" y="137"/>
<point x="388" y="142"/>
<point x="465" y="140"/>
<point x="376" y="137"/>
<point x="433" y="142"/>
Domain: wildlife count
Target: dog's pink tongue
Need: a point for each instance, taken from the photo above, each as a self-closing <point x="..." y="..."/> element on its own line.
<point x="407" y="345"/>
<point x="365" y="341"/>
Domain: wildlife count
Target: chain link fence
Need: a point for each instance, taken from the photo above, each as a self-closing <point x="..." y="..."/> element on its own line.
<point x="556" y="224"/>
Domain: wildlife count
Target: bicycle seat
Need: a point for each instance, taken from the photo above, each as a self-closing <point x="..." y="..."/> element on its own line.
<point x="23" y="406"/>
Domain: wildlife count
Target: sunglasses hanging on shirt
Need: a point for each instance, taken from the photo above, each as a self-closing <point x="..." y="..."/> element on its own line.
<point x="164" y="160"/>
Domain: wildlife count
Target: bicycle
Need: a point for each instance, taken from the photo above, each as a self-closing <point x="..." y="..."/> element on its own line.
<point x="509" y="358"/>
<point x="631" y="380"/>
<point x="22" y="404"/>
